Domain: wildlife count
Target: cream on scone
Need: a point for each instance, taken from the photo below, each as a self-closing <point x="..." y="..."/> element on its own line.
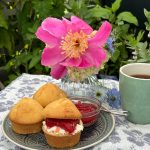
<point x="26" y="116"/>
<point x="48" y="93"/>
<point x="62" y="126"/>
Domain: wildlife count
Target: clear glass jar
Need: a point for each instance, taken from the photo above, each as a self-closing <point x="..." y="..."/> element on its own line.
<point x="90" y="86"/>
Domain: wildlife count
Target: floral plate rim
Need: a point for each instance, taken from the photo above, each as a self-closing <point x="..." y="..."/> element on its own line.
<point x="81" y="148"/>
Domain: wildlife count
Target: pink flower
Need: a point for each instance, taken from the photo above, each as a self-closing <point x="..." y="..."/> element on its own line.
<point x="72" y="44"/>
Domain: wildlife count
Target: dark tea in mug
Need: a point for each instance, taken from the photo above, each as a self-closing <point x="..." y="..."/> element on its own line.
<point x="141" y="76"/>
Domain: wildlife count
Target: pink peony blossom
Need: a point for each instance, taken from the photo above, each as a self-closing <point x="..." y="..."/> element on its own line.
<point x="72" y="44"/>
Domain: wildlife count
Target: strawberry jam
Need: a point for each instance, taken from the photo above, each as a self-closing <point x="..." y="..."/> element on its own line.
<point x="68" y="125"/>
<point x="88" y="111"/>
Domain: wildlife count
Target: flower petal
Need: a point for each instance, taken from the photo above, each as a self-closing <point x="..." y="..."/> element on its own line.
<point x="76" y="24"/>
<point x="102" y="34"/>
<point x="72" y="62"/>
<point x="65" y="20"/>
<point x="87" y="61"/>
<point x="69" y="25"/>
<point x="98" y="54"/>
<point x="58" y="71"/>
<point x="46" y="37"/>
<point x="54" y="26"/>
<point x="81" y="25"/>
<point x="51" y="56"/>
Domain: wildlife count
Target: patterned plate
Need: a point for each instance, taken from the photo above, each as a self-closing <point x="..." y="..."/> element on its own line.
<point x="90" y="136"/>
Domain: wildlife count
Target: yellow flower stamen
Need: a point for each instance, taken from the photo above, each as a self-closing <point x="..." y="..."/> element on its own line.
<point x="92" y="34"/>
<point x="74" y="44"/>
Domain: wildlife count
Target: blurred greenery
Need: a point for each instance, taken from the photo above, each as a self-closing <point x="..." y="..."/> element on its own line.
<point x="20" y="50"/>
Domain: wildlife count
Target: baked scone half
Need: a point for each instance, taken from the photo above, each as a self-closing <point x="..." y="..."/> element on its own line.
<point x="62" y="125"/>
<point x="26" y="116"/>
<point x="48" y="93"/>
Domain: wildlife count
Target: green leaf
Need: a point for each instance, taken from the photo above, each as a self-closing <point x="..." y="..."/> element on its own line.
<point x="19" y="3"/>
<point x="35" y="60"/>
<point x="123" y="52"/>
<point x="142" y="46"/>
<point x="121" y="31"/>
<point x="24" y="20"/>
<point x="147" y="14"/>
<point x="3" y="22"/>
<point x="76" y="7"/>
<point x="128" y="17"/>
<point x="5" y="39"/>
<point x="42" y="7"/>
<point x="143" y="52"/>
<point x="141" y="60"/>
<point x="12" y="77"/>
<point x="45" y="8"/>
<point x="147" y="26"/>
<point x="115" y="56"/>
<point x="23" y="58"/>
<point x="116" y="5"/>
<point x="39" y="68"/>
<point x="99" y="12"/>
<point x="140" y="36"/>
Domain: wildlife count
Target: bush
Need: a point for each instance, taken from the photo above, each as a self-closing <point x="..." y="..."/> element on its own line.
<point x="20" y="51"/>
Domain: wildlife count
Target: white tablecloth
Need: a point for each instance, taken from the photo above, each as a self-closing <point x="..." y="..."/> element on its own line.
<point x="126" y="136"/>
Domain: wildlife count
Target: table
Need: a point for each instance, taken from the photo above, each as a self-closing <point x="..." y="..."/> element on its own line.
<point x="126" y="136"/>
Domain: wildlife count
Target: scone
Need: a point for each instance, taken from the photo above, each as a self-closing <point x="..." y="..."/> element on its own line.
<point x="26" y="116"/>
<point x="48" y="93"/>
<point x="62" y="126"/>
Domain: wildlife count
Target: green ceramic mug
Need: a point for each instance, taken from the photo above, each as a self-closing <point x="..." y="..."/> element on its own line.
<point x="134" y="85"/>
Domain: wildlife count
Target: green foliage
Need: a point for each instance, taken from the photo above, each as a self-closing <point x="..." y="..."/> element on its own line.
<point x="147" y="15"/>
<point x="115" y="56"/>
<point x="99" y="12"/>
<point x="45" y="8"/>
<point x="116" y="5"/>
<point x="6" y="40"/>
<point x="79" y="7"/>
<point x="3" y="22"/>
<point x="20" y="51"/>
<point x="140" y="48"/>
<point x="128" y="17"/>
<point x="36" y="56"/>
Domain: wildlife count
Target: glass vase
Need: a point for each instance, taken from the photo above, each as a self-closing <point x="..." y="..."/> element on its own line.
<point x="90" y="86"/>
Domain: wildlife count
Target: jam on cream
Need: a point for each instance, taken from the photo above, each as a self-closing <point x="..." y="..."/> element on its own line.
<point x="62" y="126"/>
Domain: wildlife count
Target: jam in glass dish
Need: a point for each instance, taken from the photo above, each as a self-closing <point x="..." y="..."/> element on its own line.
<point x="89" y="108"/>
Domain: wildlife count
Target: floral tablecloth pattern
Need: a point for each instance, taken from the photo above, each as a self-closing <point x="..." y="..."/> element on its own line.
<point x="126" y="136"/>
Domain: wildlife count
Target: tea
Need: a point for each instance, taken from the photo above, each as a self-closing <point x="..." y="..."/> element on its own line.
<point x="141" y="76"/>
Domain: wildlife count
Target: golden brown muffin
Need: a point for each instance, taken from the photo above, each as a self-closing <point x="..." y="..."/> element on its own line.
<point x="65" y="141"/>
<point x="26" y="116"/>
<point x="48" y="93"/>
<point x="62" y="110"/>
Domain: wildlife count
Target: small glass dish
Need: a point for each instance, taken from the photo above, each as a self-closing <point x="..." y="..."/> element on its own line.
<point x="89" y="108"/>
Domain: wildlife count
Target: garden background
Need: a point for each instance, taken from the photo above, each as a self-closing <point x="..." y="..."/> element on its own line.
<point x="20" y="50"/>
